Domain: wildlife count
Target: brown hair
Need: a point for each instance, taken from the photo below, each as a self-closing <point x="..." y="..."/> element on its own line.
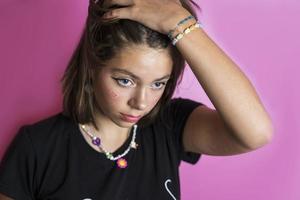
<point x="100" y="42"/>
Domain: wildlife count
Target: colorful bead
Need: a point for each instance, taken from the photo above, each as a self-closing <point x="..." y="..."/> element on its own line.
<point x="187" y="30"/>
<point x="122" y="163"/>
<point x="96" y="141"/>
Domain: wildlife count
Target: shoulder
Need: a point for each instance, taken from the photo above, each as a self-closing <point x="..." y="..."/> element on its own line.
<point x="179" y="108"/>
<point x="48" y="130"/>
<point x="57" y="120"/>
<point x="180" y="103"/>
<point x="174" y="113"/>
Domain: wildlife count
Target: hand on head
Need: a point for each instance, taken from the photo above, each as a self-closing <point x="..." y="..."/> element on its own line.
<point x="158" y="15"/>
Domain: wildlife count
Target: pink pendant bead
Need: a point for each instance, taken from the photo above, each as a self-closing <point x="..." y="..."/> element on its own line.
<point x="122" y="163"/>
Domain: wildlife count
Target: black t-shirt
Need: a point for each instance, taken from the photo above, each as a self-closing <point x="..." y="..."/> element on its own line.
<point x="50" y="159"/>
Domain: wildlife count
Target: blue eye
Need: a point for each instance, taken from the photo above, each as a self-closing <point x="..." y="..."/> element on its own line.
<point x="123" y="81"/>
<point x="159" y="85"/>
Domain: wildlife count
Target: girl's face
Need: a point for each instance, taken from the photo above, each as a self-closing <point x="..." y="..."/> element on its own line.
<point x="131" y="84"/>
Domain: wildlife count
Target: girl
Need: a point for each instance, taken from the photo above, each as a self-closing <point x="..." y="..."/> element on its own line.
<point x="120" y="135"/>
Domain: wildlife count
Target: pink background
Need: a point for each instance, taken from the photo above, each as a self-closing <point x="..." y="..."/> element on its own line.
<point x="262" y="37"/>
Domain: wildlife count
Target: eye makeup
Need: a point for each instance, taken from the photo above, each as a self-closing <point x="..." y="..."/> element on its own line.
<point x="119" y="81"/>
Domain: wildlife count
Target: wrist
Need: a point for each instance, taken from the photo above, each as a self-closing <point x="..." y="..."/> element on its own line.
<point x="182" y="27"/>
<point x="172" y="23"/>
<point x="180" y="23"/>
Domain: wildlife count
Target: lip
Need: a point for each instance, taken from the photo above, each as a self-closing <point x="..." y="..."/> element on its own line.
<point x="130" y="118"/>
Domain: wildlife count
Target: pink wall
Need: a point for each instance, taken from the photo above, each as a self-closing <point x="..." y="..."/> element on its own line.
<point x="262" y="37"/>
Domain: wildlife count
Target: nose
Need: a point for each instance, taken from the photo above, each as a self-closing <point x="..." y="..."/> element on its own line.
<point x="139" y="99"/>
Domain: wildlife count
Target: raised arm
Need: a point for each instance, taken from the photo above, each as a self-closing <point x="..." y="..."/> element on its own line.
<point x="240" y="122"/>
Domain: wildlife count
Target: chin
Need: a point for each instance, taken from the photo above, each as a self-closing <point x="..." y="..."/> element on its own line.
<point x="123" y="124"/>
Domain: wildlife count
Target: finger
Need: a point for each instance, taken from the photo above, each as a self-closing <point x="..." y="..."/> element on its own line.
<point x="109" y="3"/>
<point x="121" y="13"/>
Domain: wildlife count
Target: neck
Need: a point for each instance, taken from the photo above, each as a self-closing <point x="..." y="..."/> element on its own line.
<point x="109" y="132"/>
<point x="107" y="129"/>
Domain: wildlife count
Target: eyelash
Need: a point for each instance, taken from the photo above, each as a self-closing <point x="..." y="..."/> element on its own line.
<point x="118" y="80"/>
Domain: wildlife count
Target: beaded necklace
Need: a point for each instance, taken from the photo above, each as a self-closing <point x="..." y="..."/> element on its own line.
<point x="121" y="162"/>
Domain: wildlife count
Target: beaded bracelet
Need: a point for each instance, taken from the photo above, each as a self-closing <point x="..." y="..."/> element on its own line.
<point x="181" y="22"/>
<point x="186" y="31"/>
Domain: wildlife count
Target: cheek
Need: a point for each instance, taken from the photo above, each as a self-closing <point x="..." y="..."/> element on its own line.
<point x="155" y="98"/>
<point x="113" y="94"/>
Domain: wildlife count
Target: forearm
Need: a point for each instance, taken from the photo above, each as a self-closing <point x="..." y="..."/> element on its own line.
<point x="227" y="87"/>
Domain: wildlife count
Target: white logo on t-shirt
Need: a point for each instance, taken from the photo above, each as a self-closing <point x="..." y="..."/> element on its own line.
<point x="166" y="186"/>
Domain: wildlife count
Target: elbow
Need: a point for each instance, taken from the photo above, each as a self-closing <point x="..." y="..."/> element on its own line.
<point x="262" y="137"/>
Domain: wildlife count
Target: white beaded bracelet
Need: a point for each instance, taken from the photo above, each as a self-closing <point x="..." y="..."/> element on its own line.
<point x="186" y="31"/>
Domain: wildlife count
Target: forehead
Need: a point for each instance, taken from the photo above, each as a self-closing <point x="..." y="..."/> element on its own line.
<point x="144" y="62"/>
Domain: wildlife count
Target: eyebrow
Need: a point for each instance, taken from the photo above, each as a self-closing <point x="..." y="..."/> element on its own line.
<point x="124" y="71"/>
